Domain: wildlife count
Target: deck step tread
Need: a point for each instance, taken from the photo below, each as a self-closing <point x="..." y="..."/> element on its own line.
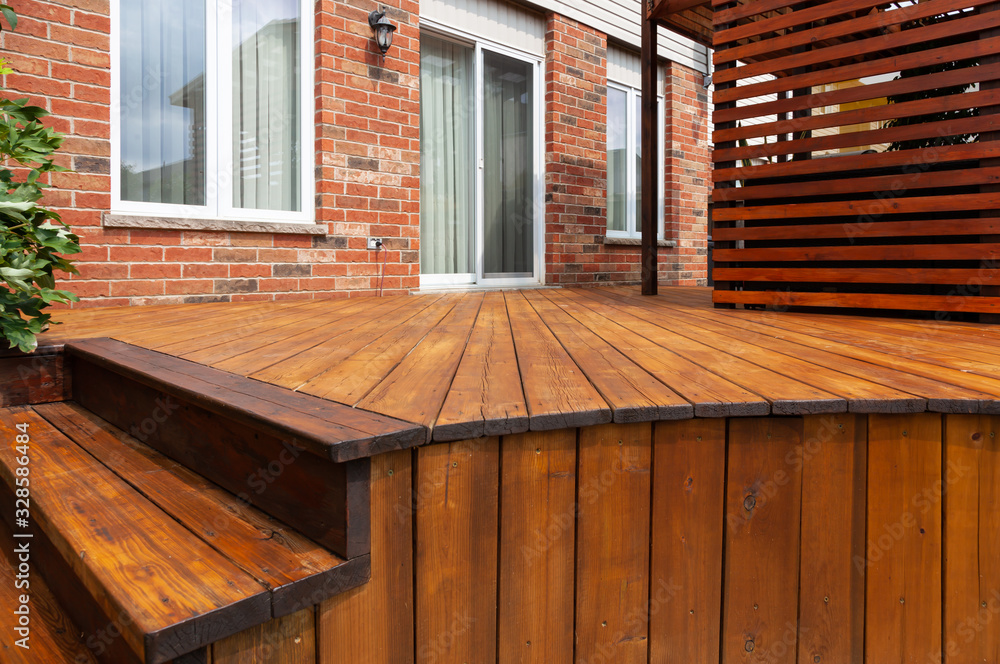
<point x="49" y="635"/>
<point x="331" y="430"/>
<point x="289" y="564"/>
<point x="185" y="562"/>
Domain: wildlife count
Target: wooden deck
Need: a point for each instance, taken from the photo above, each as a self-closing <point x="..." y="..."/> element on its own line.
<point x="593" y="489"/>
<point x="475" y="364"/>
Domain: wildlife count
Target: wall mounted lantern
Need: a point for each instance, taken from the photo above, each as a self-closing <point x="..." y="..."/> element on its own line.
<point x="383" y="30"/>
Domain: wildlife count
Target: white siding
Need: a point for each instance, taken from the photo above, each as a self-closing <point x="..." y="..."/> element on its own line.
<point x="495" y="20"/>
<point x="502" y="22"/>
<point x="621" y="20"/>
<point x="625" y="67"/>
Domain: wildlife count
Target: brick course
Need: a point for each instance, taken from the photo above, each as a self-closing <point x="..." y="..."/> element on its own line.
<point x="367" y="166"/>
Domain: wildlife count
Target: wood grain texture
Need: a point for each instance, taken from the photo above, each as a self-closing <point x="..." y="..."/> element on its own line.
<point x="485" y="397"/>
<point x="266" y="471"/>
<point x="330" y="430"/>
<point x="51" y="635"/>
<point x="456" y="494"/>
<point x="290" y="565"/>
<point x="374" y="623"/>
<point x="36" y="378"/>
<point x="613" y="534"/>
<point x="971" y="540"/>
<point x="689" y="473"/>
<point x="763" y="506"/>
<point x="833" y="460"/>
<point x="557" y="391"/>
<point x="948" y="366"/>
<point x="538" y="537"/>
<point x="288" y="640"/>
<point x="633" y="394"/>
<point x="904" y="547"/>
<point x="132" y="558"/>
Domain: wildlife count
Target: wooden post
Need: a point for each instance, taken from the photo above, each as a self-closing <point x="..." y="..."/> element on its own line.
<point x="650" y="173"/>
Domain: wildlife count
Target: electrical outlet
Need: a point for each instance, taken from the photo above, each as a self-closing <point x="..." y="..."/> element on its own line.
<point x="375" y="243"/>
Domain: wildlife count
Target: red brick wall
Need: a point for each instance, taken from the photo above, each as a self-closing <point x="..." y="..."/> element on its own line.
<point x="367" y="137"/>
<point x="367" y="166"/>
<point x="688" y="176"/>
<point x="576" y="166"/>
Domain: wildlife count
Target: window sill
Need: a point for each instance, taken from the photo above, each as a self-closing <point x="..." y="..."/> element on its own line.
<point x="636" y="242"/>
<point x="186" y="224"/>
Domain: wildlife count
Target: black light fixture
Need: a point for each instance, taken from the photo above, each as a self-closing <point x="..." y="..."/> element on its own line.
<point x="382" y="28"/>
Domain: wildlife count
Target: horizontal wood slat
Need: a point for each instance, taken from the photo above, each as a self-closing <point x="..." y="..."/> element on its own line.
<point x="876" y="21"/>
<point x="865" y="138"/>
<point x="934" y="56"/>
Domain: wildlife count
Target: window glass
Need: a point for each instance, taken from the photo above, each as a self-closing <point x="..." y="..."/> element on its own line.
<point x="162" y="101"/>
<point x="617" y="159"/>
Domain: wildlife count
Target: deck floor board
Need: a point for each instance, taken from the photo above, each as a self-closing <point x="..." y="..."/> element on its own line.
<point x="473" y="364"/>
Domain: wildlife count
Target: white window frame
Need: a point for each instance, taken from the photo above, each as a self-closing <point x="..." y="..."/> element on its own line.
<point x="633" y="181"/>
<point x="536" y="61"/>
<point x="218" y="130"/>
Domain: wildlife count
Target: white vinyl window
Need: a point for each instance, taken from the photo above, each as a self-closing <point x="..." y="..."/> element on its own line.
<point x="624" y="146"/>
<point x="213" y="109"/>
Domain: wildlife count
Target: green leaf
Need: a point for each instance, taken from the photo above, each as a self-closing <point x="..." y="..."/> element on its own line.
<point x="9" y="14"/>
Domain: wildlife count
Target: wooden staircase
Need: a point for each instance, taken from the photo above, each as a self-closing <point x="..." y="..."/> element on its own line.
<point x="168" y="506"/>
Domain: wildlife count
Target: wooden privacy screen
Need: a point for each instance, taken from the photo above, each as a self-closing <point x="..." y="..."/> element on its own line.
<point x="856" y="160"/>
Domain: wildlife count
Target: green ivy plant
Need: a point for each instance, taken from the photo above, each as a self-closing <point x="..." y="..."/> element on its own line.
<point x="32" y="238"/>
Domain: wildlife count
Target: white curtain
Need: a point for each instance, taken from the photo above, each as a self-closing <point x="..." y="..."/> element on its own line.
<point x="507" y="154"/>
<point x="266" y="120"/>
<point x="447" y="144"/>
<point x="162" y="101"/>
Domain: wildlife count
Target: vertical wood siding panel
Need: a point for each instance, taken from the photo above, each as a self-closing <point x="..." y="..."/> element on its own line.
<point x="689" y="473"/>
<point x="612" y="566"/>
<point x="537" y="543"/>
<point x="763" y="501"/>
<point x="373" y="624"/>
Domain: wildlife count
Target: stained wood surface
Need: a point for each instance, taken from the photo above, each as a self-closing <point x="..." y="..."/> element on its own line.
<point x="689" y="471"/>
<point x="51" y="636"/>
<point x="374" y="622"/>
<point x="36" y="378"/>
<point x="267" y="471"/>
<point x="536" y="578"/>
<point x="869" y="180"/>
<point x="903" y="552"/>
<point x="292" y="567"/>
<point x="289" y="640"/>
<point x="456" y="513"/>
<point x="971" y="539"/>
<point x="762" y="513"/>
<point x="832" y="459"/>
<point x="113" y="539"/>
<point x="467" y="365"/>
<point x="612" y="551"/>
<point x="327" y="429"/>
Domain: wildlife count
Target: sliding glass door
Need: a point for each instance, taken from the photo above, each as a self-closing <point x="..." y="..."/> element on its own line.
<point x="480" y="166"/>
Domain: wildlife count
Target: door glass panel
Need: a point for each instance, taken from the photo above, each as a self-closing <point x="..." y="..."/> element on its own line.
<point x="447" y="154"/>
<point x="508" y="173"/>
<point x="163" y="101"/>
<point x="617" y="159"/>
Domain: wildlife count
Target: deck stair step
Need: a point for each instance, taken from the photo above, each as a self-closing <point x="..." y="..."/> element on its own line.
<point x="245" y="435"/>
<point x="47" y="634"/>
<point x="126" y="537"/>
